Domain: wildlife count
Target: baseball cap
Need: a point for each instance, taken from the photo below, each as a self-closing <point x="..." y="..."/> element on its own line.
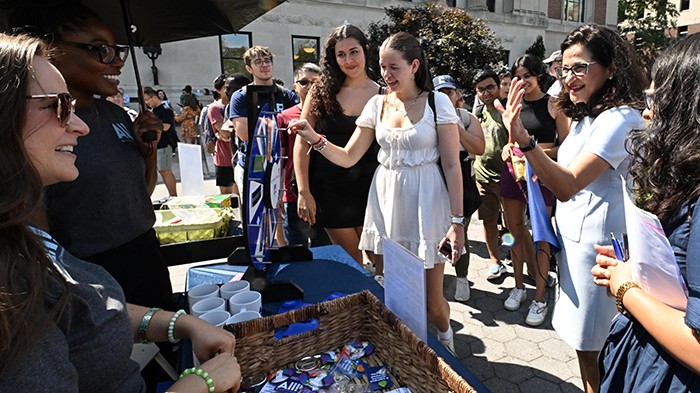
<point x="556" y="55"/>
<point x="444" y="81"/>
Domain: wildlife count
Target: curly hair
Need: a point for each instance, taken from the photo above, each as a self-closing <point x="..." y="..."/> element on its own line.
<point x="325" y="90"/>
<point x="608" y="49"/>
<point x="665" y="157"/>
<point x="24" y="265"/>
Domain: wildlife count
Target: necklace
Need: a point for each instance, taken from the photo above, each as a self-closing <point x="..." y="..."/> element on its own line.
<point x="406" y="109"/>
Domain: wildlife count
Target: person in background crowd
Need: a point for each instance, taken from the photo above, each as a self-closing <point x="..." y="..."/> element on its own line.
<point x="119" y="100"/>
<point x="651" y="346"/>
<point x="188" y="119"/>
<point x="117" y="167"/>
<point x="409" y="201"/>
<point x="329" y="195"/>
<point x="60" y="316"/>
<point x="163" y="97"/>
<point x="504" y="87"/>
<point x="471" y="140"/>
<point x="168" y="141"/>
<point x="297" y="231"/>
<point x="222" y="151"/>
<point x="601" y="74"/>
<point x="553" y="62"/>
<point x="489" y="165"/>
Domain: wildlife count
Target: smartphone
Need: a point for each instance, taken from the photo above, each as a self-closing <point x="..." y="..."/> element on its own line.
<point x="446" y="249"/>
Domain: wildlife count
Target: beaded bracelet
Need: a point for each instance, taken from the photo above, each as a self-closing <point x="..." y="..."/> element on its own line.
<point x="321" y="144"/>
<point x="171" y="327"/>
<point x="144" y="324"/>
<point x="203" y="374"/>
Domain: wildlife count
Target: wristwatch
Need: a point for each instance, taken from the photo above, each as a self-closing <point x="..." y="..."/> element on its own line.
<point x="530" y="146"/>
<point x="459" y="220"/>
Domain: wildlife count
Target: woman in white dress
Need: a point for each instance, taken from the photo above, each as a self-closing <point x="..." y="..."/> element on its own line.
<point x="604" y="84"/>
<point x="408" y="200"/>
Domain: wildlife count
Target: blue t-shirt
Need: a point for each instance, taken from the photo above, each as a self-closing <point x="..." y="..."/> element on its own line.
<point x="238" y="107"/>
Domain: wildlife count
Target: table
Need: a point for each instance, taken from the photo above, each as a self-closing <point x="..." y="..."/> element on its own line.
<point x="331" y="270"/>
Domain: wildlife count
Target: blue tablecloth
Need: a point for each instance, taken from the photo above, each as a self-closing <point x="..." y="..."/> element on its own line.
<point x="332" y="270"/>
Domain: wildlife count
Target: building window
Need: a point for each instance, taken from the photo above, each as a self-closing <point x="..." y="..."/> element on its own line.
<point x="233" y="46"/>
<point x="682" y="31"/>
<point x="685" y="5"/>
<point x="574" y="10"/>
<point x="491" y="5"/>
<point x="304" y="50"/>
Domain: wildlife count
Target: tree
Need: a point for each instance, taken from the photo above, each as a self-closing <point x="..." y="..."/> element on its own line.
<point x="537" y="48"/>
<point x="647" y="25"/>
<point x="454" y="42"/>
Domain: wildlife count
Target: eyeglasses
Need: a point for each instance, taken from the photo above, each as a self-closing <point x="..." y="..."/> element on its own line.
<point x="489" y="89"/>
<point x="64" y="105"/>
<point x="105" y="53"/>
<point x="304" y="82"/>
<point x="578" y="69"/>
<point x="649" y="98"/>
<point x="265" y="61"/>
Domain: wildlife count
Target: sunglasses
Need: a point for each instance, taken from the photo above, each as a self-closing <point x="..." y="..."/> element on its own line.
<point x="649" y="98"/>
<point x="105" y="53"/>
<point x="578" y="69"/>
<point x="304" y="82"/>
<point x="64" y="105"/>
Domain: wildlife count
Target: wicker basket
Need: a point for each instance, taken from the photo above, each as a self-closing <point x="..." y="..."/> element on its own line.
<point x="361" y="316"/>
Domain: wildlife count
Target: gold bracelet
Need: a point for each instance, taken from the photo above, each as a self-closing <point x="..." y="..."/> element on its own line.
<point x="620" y="294"/>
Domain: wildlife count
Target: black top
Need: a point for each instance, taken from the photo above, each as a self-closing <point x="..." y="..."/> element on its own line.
<point x="166" y="115"/>
<point x="537" y="120"/>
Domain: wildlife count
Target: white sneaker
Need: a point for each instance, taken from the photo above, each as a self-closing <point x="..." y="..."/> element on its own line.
<point x="379" y="279"/>
<point x="516" y="297"/>
<point x="369" y="268"/>
<point x="462" y="292"/>
<point x="537" y="313"/>
<point x="449" y="343"/>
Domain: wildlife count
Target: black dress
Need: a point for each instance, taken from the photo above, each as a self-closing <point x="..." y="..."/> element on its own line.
<point x="341" y="193"/>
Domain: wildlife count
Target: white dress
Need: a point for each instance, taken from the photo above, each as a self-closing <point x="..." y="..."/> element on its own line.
<point x="583" y="312"/>
<point x="408" y="201"/>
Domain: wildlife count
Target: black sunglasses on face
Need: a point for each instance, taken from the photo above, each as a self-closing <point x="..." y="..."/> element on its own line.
<point x="64" y="105"/>
<point x="304" y="82"/>
<point x="105" y="53"/>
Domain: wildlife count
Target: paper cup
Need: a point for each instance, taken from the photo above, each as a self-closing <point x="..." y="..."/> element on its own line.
<point x="243" y="316"/>
<point x="206" y="305"/>
<point x="217" y="317"/>
<point x="201" y="292"/>
<point x="231" y="288"/>
<point x="245" y="301"/>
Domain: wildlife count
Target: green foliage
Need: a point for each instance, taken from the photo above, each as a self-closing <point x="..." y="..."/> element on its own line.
<point x="646" y="24"/>
<point x="537" y="48"/>
<point x="454" y="42"/>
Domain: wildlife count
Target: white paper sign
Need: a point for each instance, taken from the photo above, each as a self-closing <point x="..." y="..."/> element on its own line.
<point x="191" y="175"/>
<point x="653" y="262"/>
<point x="404" y="287"/>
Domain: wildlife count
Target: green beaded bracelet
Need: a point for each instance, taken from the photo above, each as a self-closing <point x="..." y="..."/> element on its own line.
<point x="144" y="324"/>
<point x="171" y="327"/>
<point x="200" y="373"/>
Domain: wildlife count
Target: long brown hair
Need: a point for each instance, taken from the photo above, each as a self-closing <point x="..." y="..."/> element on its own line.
<point x="25" y="267"/>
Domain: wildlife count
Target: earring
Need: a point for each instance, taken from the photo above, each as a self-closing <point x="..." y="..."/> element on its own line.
<point x="610" y="77"/>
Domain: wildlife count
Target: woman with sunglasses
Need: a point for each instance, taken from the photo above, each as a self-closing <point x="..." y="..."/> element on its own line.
<point x="604" y="84"/>
<point x="335" y="197"/>
<point x="64" y="323"/>
<point x="105" y="216"/>
<point x="651" y="346"/>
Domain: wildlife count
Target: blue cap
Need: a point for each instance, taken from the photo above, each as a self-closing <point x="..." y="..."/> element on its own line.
<point x="444" y="81"/>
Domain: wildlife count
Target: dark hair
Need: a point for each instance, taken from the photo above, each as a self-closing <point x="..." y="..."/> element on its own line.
<point x="235" y="82"/>
<point x="486" y="74"/>
<point x="324" y="91"/>
<point x="535" y="67"/>
<point x="188" y="89"/>
<point x="25" y="268"/>
<point x="411" y="50"/>
<point x="51" y="22"/>
<point x="149" y="91"/>
<point x="165" y="96"/>
<point x="665" y="157"/>
<point x="189" y="101"/>
<point x="220" y="81"/>
<point x="307" y="67"/>
<point x="607" y="48"/>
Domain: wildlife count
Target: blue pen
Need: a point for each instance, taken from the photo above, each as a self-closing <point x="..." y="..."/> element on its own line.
<point x="616" y="247"/>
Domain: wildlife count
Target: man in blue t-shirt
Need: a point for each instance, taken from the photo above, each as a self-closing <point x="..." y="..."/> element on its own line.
<point x="258" y="62"/>
<point x="168" y="139"/>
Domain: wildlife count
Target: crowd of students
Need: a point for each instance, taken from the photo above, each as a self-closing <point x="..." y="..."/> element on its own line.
<point x="75" y="292"/>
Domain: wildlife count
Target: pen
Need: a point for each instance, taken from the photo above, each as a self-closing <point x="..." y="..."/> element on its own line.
<point x="616" y="247"/>
<point x="626" y="244"/>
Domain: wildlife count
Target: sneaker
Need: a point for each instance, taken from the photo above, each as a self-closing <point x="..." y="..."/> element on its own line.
<point x="495" y="271"/>
<point x="379" y="279"/>
<point x="369" y="268"/>
<point x="537" y="313"/>
<point x="462" y="292"/>
<point x="449" y="343"/>
<point x="551" y="280"/>
<point x="516" y="297"/>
